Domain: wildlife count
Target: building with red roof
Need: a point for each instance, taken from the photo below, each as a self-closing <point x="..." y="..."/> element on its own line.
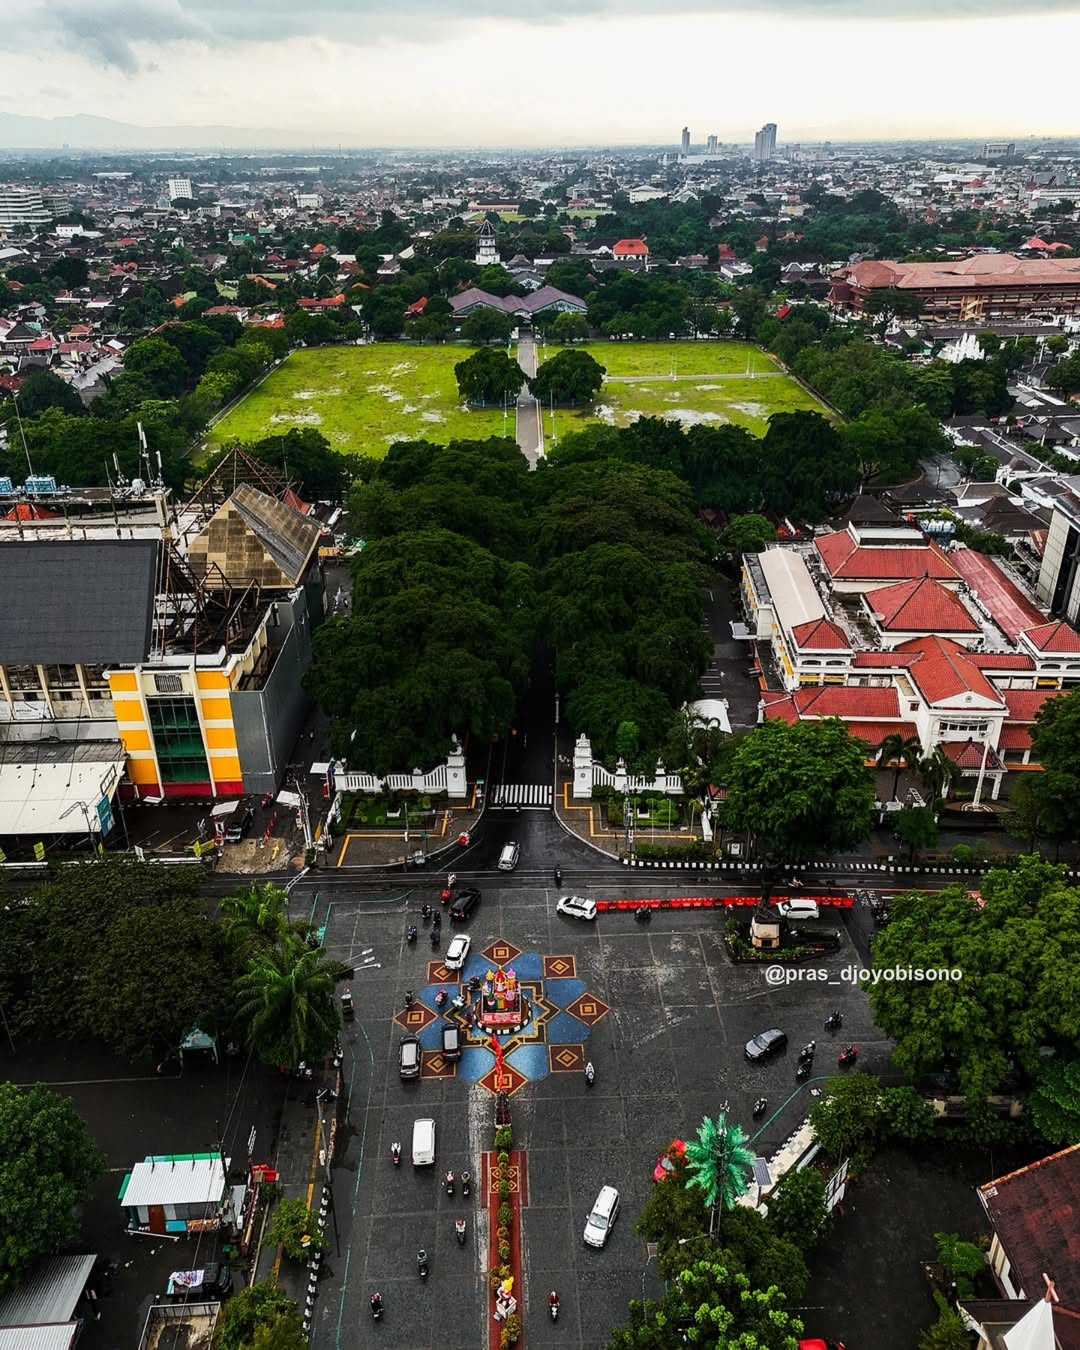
<point x="855" y="565"/>
<point x="631" y="248"/>
<point x="916" y="608"/>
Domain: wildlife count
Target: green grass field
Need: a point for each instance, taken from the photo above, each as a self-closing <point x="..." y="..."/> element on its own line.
<point x="363" y="399"/>
<point x="656" y="360"/>
<point x="646" y="388"/>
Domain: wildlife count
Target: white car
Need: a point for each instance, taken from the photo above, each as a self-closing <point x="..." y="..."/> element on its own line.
<point x="798" y="909"/>
<point x="602" y="1219"/>
<point x="577" y="907"/>
<point x="457" y="951"/>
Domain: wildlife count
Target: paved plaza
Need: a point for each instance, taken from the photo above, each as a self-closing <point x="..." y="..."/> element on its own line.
<point x="663" y="1015"/>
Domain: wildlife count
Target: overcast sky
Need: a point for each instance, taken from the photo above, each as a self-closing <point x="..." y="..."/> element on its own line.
<point x="460" y="72"/>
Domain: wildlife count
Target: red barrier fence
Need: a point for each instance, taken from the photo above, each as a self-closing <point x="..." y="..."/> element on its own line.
<point x="717" y="902"/>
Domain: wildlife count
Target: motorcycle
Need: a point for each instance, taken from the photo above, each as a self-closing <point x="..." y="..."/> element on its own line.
<point x="376" y="1306"/>
<point x="475" y="983"/>
<point x="410" y="936"/>
<point x="395" y="1154"/>
<point x="348" y="1012"/>
<point x="834" y="1021"/>
<point x="425" y="912"/>
<point x="436" y="936"/>
<point x="410" y="998"/>
<point x="466" y="1184"/>
<point x="553" y="1305"/>
<point x="760" y="1107"/>
<point x="459" y="1231"/>
<point x="440" y="998"/>
<point x="558" y="876"/>
<point x="807" y="1052"/>
<point x="449" y="1179"/>
<point x="422" y="1264"/>
<point x="590" y="1074"/>
<point x="802" y="1069"/>
<point x="643" y="914"/>
<point x="848" y="1055"/>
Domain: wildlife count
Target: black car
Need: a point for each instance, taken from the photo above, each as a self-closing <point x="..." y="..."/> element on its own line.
<point x="451" y="1042"/>
<point x="764" y="1044"/>
<point x="464" y="903"/>
<point x="409" y="1057"/>
<point x="239" y="825"/>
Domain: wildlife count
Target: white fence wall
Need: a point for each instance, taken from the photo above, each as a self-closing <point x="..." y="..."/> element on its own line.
<point x="589" y="774"/>
<point x="448" y="778"/>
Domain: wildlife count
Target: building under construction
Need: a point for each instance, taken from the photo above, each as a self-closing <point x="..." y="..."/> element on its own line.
<point x="151" y="648"/>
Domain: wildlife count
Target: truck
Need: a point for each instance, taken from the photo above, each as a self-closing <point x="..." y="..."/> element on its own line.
<point x="180" y="1326"/>
<point x="213" y="1281"/>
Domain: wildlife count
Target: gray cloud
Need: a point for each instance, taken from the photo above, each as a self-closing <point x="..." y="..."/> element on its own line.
<point x="109" y="30"/>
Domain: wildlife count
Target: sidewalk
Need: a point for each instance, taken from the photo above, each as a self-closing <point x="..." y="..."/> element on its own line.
<point x="386" y="847"/>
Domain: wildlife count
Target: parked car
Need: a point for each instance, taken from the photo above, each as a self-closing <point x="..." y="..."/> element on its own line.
<point x="457" y="951"/>
<point x="464" y="903"/>
<point x="409" y="1057"/>
<point x="765" y="1044"/>
<point x="508" y="858"/>
<point x="212" y="1281"/>
<point x="240" y="823"/>
<point x="602" y="1219"/>
<point x="820" y="1343"/>
<point x="451" y="1041"/>
<point x="577" y="907"/>
<point x="798" y="909"/>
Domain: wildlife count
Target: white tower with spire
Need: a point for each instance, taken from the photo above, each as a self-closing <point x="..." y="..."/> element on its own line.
<point x="487" y="252"/>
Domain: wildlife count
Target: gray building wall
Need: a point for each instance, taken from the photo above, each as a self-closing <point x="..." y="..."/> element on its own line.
<point x="268" y="720"/>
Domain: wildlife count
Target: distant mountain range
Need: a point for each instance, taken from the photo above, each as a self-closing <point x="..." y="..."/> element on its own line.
<point x="83" y="132"/>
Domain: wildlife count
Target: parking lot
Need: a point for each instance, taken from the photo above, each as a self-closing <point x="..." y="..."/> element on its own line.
<point x="670" y="1016"/>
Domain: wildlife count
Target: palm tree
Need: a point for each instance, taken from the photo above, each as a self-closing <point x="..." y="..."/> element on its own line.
<point x="717" y="1161"/>
<point x="899" y="749"/>
<point x="287" y="1003"/>
<point x="257" y="917"/>
<point x="938" y="773"/>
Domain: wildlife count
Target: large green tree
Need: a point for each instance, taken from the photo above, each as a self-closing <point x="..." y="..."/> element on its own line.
<point x="48" y="1163"/>
<point x="569" y="377"/>
<point x="1019" y="984"/>
<point x="489" y="377"/>
<point x="715" y="1309"/>
<point x="800" y="790"/>
<point x="1056" y="743"/>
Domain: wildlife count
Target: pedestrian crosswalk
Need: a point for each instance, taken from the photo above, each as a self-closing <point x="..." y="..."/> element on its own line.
<point x="529" y="796"/>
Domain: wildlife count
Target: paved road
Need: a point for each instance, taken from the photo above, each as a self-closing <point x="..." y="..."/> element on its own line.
<point x="667" y="1052"/>
<point x="530" y="431"/>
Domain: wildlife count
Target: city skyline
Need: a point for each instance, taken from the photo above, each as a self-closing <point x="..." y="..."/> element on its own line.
<point x="187" y="63"/>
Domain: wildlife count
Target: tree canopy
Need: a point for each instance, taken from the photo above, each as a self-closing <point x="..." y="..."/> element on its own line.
<point x="48" y="1163"/>
<point x="800" y="790"/>
<point x="489" y="376"/>
<point x="569" y="377"/>
<point x="1019" y="988"/>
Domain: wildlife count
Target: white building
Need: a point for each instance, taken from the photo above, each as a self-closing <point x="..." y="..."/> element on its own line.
<point x="181" y="188"/>
<point x="23" y="206"/>
<point x="308" y="201"/>
<point x="765" y="143"/>
<point x="487" y="250"/>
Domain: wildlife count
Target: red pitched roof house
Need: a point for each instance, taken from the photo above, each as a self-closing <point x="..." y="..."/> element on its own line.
<point x="922" y="606"/>
<point x="631" y="248"/>
<point x="865" y="566"/>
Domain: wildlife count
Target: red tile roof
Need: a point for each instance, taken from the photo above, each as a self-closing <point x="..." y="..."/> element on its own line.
<point x="837" y="700"/>
<point x="944" y="673"/>
<point x="1023" y="704"/>
<point x="969" y="754"/>
<point x="922" y="606"/>
<point x="847" y="560"/>
<point x="1012" y="611"/>
<point x="1034" y="1212"/>
<point x="884" y="660"/>
<point x="331" y="302"/>
<point x="820" y="635"/>
<point x="1054" y="637"/>
<point x="631" y="248"/>
<point x="1001" y="660"/>
<point x="873" y="733"/>
<point x="1014" y="738"/>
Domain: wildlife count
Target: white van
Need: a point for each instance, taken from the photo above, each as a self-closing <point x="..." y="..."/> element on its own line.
<point x="423" y="1143"/>
<point x="508" y="858"/>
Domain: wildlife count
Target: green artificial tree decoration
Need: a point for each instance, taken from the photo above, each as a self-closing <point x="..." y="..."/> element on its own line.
<point x="717" y="1162"/>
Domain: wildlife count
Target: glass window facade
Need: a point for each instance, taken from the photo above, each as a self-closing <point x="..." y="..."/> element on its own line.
<point x="178" y="740"/>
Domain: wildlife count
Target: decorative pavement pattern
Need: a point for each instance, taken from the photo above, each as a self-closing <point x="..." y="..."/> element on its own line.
<point x="562" y="1014"/>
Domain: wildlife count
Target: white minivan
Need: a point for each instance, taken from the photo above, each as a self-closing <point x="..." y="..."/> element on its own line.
<point x="423" y="1143"/>
<point x="600" y="1222"/>
<point x="508" y="858"/>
